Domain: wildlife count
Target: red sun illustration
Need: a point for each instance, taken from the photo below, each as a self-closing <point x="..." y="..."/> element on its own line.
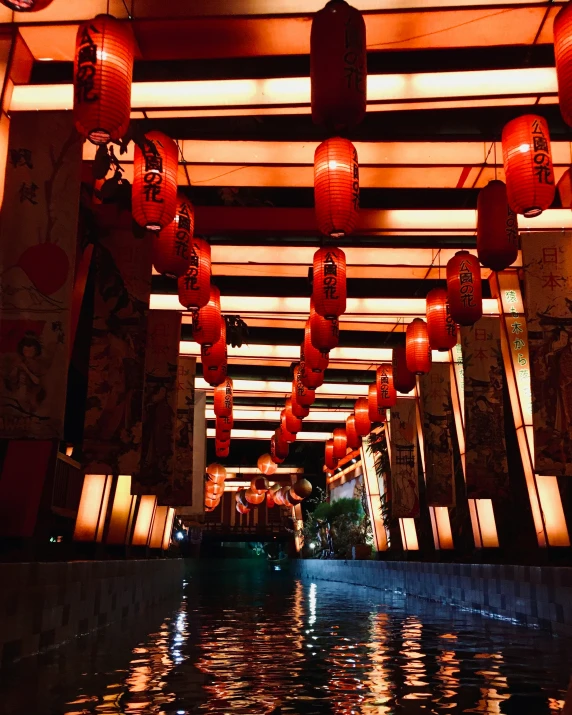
<point x="46" y="265"/>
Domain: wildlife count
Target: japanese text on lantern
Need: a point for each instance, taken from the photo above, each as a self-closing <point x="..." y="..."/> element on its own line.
<point x="228" y="396"/>
<point x="191" y="276"/>
<point x="86" y="62"/>
<point x="466" y="282"/>
<point x="355" y="179"/>
<point x="183" y="232"/>
<point x="541" y="156"/>
<point x="330" y="276"/>
<point x="353" y="51"/>
<point x="384" y="384"/>
<point x="153" y="174"/>
<point x="517" y="337"/>
<point x="449" y="322"/>
<point x="512" y="227"/>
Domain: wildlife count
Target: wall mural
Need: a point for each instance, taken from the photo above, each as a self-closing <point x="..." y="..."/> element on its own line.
<point x="404" y="471"/>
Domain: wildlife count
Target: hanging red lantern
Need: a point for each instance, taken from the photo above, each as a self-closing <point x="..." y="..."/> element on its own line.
<point x="278" y="451"/>
<point x="336" y="187"/>
<point x="324" y="332"/>
<point x="376" y="412"/>
<point x="386" y="393"/>
<point x="497" y="228"/>
<point x="260" y="485"/>
<point x="298" y="410"/>
<point x="103" y="72"/>
<point x="241" y="509"/>
<point x="194" y="287"/>
<point x="329" y="282"/>
<point x="171" y="247"/>
<point x="301" y="489"/>
<point x="278" y="496"/>
<point x="293" y="423"/>
<point x="223" y="398"/>
<point x="214" y="359"/>
<point x="338" y="66"/>
<point x="222" y="449"/>
<point x="211" y="504"/>
<point x="224" y="424"/>
<point x="527" y="159"/>
<point x="303" y="396"/>
<point x="329" y="460"/>
<point x="563" y="56"/>
<point x="253" y="497"/>
<point x="222" y="435"/>
<point x="464" y="288"/>
<point x="403" y="379"/>
<point x="240" y="498"/>
<point x="216" y="472"/>
<point x="207" y="321"/>
<point x="340" y="442"/>
<point x="266" y="465"/>
<point x="215" y="374"/>
<point x="361" y="414"/>
<point x="417" y="350"/>
<point x="282" y="434"/>
<point x="154" y="193"/>
<point x="441" y="327"/>
<point x="311" y="380"/>
<point x="214" y="490"/>
<point x="315" y="360"/>
<point x="354" y="440"/>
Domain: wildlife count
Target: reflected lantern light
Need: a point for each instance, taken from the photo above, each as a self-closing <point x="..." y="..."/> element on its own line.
<point x="329" y="282"/>
<point x="361" y="414"/>
<point x="464" y="288"/>
<point x="563" y="57"/>
<point x="417" y="350"/>
<point x="386" y="393"/>
<point x="103" y="72"/>
<point x="497" y="228"/>
<point x="527" y="159"/>
<point x="171" y="248"/>
<point x="441" y="327"/>
<point x="336" y="187"/>
<point x="154" y="191"/>
<point x="207" y="321"/>
<point x="194" y="287"/>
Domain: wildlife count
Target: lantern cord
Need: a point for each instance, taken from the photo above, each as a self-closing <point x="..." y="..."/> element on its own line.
<point x="129" y="15"/>
<point x="495" y="146"/>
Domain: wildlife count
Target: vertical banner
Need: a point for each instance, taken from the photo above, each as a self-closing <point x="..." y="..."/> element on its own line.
<point x="404" y="471"/>
<point x="37" y="254"/>
<point x="178" y="491"/>
<point x="113" y="417"/>
<point x="159" y="403"/>
<point x="437" y="419"/>
<point x="485" y="455"/>
<point x="547" y="260"/>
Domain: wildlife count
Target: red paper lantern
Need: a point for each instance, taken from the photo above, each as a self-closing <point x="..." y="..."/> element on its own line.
<point x="241" y="509"/>
<point x="266" y="465"/>
<point x="527" y="159"/>
<point x="215" y="374"/>
<point x="336" y="187"/>
<point x="464" y="288"/>
<point x="376" y="412"/>
<point x="386" y="393"/>
<point x="216" y="472"/>
<point x="207" y="321"/>
<point x="441" y="327"/>
<point x="563" y="56"/>
<point x="293" y="423"/>
<point x="340" y="442"/>
<point x="214" y="359"/>
<point x="338" y="66"/>
<point x="194" y="287"/>
<point x="324" y="332"/>
<point x="223" y="430"/>
<point x="315" y="360"/>
<point x="354" y="440"/>
<point x="154" y="194"/>
<point x="361" y="414"/>
<point x="223" y="398"/>
<point x="329" y="460"/>
<point x="103" y="72"/>
<point x="211" y="503"/>
<point x="30" y="5"/>
<point x="329" y="284"/>
<point x="260" y="484"/>
<point x="253" y="497"/>
<point x="214" y="490"/>
<point x="417" y="350"/>
<point x="171" y="248"/>
<point x="300" y="393"/>
<point x="497" y="228"/>
<point x="222" y="449"/>
<point x="403" y="379"/>
<point x="298" y="410"/>
<point x="311" y="380"/>
<point x="278" y="451"/>
<point x="282" y="434"/>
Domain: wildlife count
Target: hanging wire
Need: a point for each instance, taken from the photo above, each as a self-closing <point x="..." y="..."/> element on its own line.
<point x="495" y="146"/>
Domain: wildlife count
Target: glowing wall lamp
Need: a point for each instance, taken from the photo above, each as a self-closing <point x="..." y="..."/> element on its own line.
<point x="372" y="488"/>
<point x="144" y="520"/>
<point x="122" y="512"/>
<point x="92" y="509"/>
<point x="161" y="529"/>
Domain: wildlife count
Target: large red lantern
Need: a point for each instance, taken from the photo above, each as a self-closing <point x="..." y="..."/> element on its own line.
<point x="329" y="460"/>
<point x="329" y="283"/>
<point x="386" y="394"/>
<point x="324" y="332"/>
<point x="336" y="187"/>
<point x="216" y="472"/>
<point x="403" y="379"/>
<point x="340" y="442"/>
<point x="224" y="424"/>
<point x="298" y="410"/>
<point x="497" y="228"/>
<point x="282" y="433"/>
<point x="417" y="350"/>
<point x="266" y="465"/>
<point x="103" y="72"/>
<point x="154" y="193"/>
<point x="528" y="167"/>
<point x="214" y="359"/>
<point x="194" y="287"/>
<point x="464" y="288"/>
<point x="354" y="440"/>
<point x="315" y="360"/>
<point x="361" y="414"/>
<point x="253" y="497"/>
<point x="293" y="423"/>
<point x="207" y="321"/>
<point x="311" y="380"/>
<point x="222" y="449"/>
<point x="303" y="395"/>
<point x="441" y="327"/>
<point x="171" y="248"/>
<point x="223" y="399"/>
<point x="563" y="56"/>
<point x="338" y="66"/>
<point x="376" y="412"/>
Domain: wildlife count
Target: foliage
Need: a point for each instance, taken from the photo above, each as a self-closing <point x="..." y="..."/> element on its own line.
<point x="322" y="511"/>
<point x="350" y="508"/>
<point x="334" y="528"/>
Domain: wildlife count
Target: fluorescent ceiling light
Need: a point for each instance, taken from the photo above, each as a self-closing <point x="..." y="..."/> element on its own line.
<point x="267" y="434"/>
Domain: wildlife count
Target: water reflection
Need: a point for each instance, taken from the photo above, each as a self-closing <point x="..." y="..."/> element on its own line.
<point x="264" y="644"/>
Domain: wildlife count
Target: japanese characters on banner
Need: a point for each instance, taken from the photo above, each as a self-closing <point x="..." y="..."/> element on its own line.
<point x="179" y="490"/>
<point x="404" y="471"/>
<point x="437" y="421"/>
<point x="547" y="259"/>
<point x="37" y="256"/>
<point x="159" y="403"/>
<point x="485" y="448"/>
<point x="113" y="417"/>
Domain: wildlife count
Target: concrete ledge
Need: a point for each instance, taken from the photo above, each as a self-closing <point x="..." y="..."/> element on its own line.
<point x="539" y="597"/>
<point x="42" y="605"/>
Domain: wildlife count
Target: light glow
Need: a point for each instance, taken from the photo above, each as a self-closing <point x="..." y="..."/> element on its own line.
<point x="267" y="434"/>
<point x="121" y="512"/>
<point x="144" y="520"/>
<point x="92" y="507"/>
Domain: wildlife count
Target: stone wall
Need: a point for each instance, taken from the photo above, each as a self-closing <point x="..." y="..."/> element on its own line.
<point x="529" y="595"/>
<point x="45" y="604"/>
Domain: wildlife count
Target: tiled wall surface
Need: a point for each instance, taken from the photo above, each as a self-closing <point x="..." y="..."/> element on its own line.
<point x="45" y="604"/>
<point x="533" y="596"/>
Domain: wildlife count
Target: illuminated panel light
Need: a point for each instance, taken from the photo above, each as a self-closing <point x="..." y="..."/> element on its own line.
<point x="158" y="528"/>
<point x="487" y="523"/>
<point x="168" y="528"/>
<point x="267" y="434"/>
<point x="258" y="415"/>
<point x="380" y="535"/>
<point x="121" y="511"/>
<point x="92" y="508"/>
<point x="144" y="520"/>
<point x="409" y="534"/>
<point x="285" y="388"/>
<point x="231" y="472"/>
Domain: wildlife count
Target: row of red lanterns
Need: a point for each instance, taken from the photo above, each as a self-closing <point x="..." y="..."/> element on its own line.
<point x="277" y="495"/>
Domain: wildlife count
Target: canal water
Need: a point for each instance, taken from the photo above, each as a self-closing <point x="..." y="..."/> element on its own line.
<point x="260" y="642"/>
